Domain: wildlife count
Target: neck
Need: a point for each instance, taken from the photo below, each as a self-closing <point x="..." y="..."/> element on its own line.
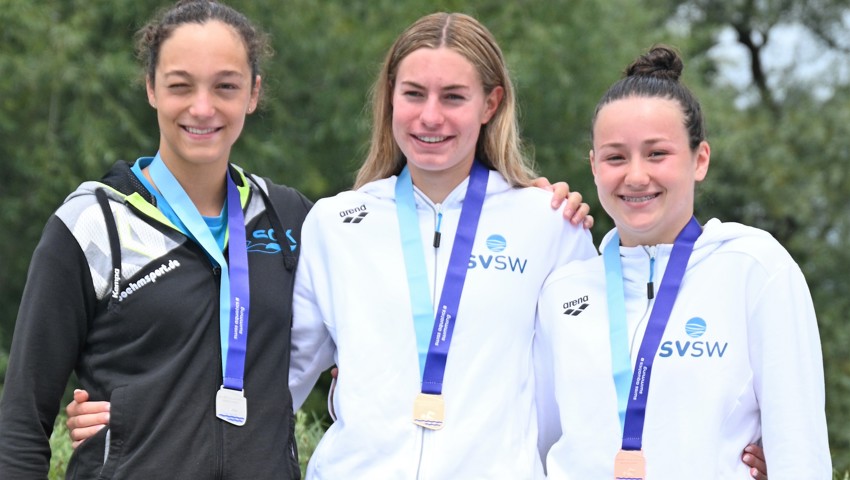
<point x="204" y="184"/>
<point x="437" y="185"/>
<point x="650" y="239"/>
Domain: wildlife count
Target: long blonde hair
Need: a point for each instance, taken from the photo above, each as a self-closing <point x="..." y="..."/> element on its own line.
<point x="499" y="145"/>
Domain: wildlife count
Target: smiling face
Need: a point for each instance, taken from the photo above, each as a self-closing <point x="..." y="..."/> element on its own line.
<point x="202" y="92"/>
<point x="439" y="105"/>
<point x="644" y="169"/>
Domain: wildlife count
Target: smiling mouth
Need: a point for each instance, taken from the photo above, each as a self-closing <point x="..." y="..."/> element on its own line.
<point x="200" y="131"/>
<point x="644" y="198"/>
<point x="430" y="139"/>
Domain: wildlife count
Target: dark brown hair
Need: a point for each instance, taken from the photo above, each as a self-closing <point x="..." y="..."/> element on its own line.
<point x="149" y="39"/>
<point x="656" y="74"/>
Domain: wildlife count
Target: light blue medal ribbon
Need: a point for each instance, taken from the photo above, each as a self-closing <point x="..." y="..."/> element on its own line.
<point x="234" y="297"/>
<point x="639" y="389"/>
<point x="621" y="363"/>
<point x="414" y="262"/>
<point x="435" y="347"/>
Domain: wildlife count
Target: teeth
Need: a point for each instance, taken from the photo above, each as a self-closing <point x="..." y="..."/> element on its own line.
<point x="638" y="199"/>
<point x="431" y="139"/>
<point x="199" y="131"/>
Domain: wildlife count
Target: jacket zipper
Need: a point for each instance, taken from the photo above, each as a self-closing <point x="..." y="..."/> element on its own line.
<point x="218" y="441"/>
<point x="438" y="220"/>
<point x="650" y="292"/>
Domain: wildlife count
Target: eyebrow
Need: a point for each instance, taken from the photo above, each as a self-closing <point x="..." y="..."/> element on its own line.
<point x="413" y="84"/>
<point x="648" y="142"/>
<point x="185" y="74"/>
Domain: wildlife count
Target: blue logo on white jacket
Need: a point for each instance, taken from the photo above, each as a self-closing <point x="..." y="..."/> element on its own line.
<point x="497" y="244"/>
<point x="694" y="328"/>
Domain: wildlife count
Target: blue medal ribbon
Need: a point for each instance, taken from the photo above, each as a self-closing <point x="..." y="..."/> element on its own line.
<point x="635" y="413"/>
<point x="621" y="363"/>
<point x="234" y="297"/>
<point x="442" y="322"/>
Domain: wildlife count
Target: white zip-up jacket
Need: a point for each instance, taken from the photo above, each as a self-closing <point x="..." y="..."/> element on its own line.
<point x="352" y="308"/>
<point x="740" y="362"/>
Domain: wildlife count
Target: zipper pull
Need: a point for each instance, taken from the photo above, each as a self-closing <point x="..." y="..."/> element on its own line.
<point x="437" y="229"/>
<point x="650" y="287"/>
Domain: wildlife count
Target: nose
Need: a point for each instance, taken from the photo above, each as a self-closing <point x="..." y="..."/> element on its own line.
<point x="636" y="173"/>
<point x="202" y="104"/>
<point x="432" y="113"/>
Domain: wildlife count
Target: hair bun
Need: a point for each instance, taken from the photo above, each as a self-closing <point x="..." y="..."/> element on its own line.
<point x="660" y="62"/>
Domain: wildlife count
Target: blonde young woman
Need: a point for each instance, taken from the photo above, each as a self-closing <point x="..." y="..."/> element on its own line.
<point x="421" y="284"/>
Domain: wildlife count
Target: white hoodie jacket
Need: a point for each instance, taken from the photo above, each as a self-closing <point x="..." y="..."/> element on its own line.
<point x="754" y="373"/>
<point x="352" y="308"/>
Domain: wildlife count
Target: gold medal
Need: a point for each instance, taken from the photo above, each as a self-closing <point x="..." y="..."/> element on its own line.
<point x="429" y="411"/>
<point x="630" y="464"/>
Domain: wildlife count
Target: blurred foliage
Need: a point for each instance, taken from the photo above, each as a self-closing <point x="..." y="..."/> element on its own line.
<point x="308" y="431"/>
<point x="71" y="104"/>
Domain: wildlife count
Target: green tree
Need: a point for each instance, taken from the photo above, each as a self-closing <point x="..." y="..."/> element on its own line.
<point x="778" y="162"/>
<point x="71" y="104"/>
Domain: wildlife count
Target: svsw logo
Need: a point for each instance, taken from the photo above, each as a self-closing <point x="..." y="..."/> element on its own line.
<point x="354" y="215"/>
<point x="694" y="328"/>
<point x="497" y="244"/>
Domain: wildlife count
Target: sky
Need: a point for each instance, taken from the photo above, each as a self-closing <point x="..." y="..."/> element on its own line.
<point x="791" y="52"/>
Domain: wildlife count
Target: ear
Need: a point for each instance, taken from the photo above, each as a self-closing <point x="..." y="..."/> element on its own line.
<point x="592" y="163"/>
<point x="255" y="94"/>
<point x="150" y="91"/>
<point x="491" y="103"/>
<point x="703" y="157"/>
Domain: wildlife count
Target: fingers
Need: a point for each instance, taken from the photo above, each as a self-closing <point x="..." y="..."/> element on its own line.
<point x="753" y="457"/>
<point x="542" y="182"/>
<point x="80" y="395"/>
<point x="754" y="472"/>
<point x="76" y="410"/>
<point x="588" y="221"/>
<point x="85" y="426"/>
<point x="78" y="435"/>
<point x="580" y="212"/>
<point x="85" y="418"/>
<point x="91" y="419"/>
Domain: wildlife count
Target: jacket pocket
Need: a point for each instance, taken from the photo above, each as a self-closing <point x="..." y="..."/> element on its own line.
<point x="89" y="457"/>
<point x="113" y="446"/>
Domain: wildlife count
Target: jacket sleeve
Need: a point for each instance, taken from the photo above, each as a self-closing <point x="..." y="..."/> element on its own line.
<point x="788" y="377"/>
<point x="548" y="417"/>
<point x="313" y="349"/>
<point x="50" y="329"/>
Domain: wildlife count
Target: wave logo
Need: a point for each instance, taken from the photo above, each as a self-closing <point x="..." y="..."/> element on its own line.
<point x="265" y="241"/>
<point x="694" y="328"/>
<point x="497" y="244"/>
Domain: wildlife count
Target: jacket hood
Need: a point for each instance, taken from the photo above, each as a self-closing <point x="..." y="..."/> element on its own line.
<point x="714" y="234"/>
<point x="120" y="182"/>
<point x="385" y="189"/>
